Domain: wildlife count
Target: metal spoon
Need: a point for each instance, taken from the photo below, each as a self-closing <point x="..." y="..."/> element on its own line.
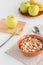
<point x="8" y="38"/>
<point x="36" y="31"/>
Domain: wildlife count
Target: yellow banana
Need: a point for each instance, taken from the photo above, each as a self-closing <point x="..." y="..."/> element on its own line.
<point x="40" y="9"/>
<point x="36" y="3"/>
<point x="32" y="0"/>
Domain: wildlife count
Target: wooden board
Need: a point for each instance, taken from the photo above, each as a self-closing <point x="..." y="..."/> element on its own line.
<point x="17" y="30"/>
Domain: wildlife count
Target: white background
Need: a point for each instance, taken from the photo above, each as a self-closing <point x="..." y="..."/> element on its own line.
<point x="10" y="7"/>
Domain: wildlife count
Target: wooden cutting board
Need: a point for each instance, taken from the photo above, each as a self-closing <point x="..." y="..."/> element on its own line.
<point x="17" y="30"/>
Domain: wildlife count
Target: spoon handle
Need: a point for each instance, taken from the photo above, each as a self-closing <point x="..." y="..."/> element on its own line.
<point x="7" y="40"/>
<point x="41" y="35"/>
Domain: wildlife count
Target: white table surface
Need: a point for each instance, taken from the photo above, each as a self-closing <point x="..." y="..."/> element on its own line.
<point x="10" y="7"/>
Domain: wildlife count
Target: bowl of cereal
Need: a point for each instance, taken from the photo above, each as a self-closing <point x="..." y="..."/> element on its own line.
<point x="31" y="45"/>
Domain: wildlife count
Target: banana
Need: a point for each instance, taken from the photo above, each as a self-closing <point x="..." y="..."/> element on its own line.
<point x="40" y="9"/>
<point x="32" y="0"/>
<point x="36" y="3"/>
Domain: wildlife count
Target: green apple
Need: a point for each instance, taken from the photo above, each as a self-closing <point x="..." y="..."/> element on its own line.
<point x="24" y="7"/>
<point x="33" y="10"/>
<point x="11" y="21"/>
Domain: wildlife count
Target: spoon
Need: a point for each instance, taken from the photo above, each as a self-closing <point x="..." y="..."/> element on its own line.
<point x="36" y="31"/>
<point x="15" y="33"/>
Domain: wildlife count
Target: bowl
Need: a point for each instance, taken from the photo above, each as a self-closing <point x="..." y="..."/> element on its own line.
<point x="30" y="53"/>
